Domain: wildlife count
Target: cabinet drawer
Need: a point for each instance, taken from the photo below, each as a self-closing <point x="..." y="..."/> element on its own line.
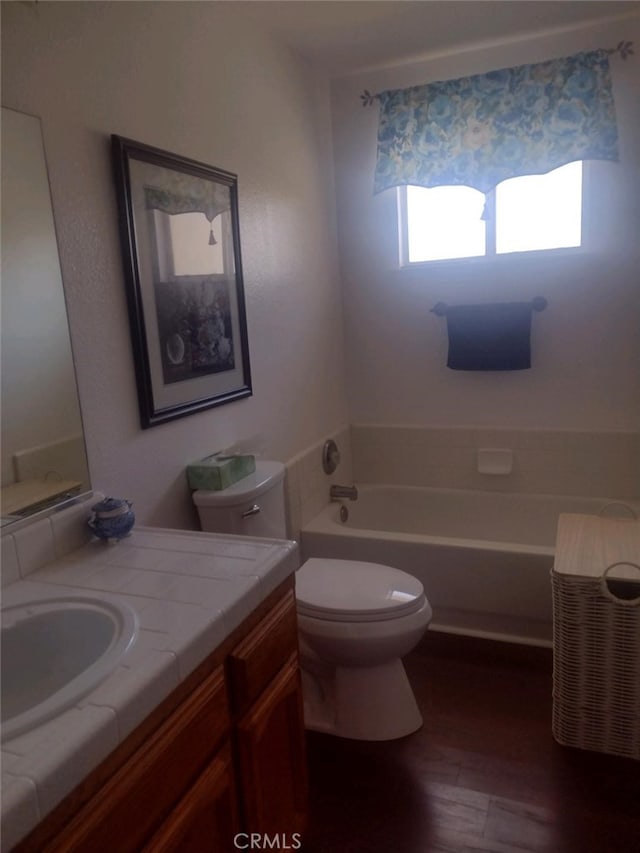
<point x="255" y="661"/>
<point x="140" y="794"/>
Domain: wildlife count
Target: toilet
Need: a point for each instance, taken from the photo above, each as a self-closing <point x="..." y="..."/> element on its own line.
<point x="356" y="619"/>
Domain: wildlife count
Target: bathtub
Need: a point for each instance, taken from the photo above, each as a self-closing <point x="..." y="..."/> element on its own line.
<point x="484" y="558"/>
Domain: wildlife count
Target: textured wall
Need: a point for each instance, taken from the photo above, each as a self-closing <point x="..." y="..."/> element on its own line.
<point x="194" y="79"/>
<point x="585" y="346"/>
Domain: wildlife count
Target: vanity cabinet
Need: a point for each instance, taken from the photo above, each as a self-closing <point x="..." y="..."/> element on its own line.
<point x="224" y="754"/>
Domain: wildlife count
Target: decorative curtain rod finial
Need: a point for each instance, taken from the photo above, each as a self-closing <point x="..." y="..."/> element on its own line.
<point x="624" y="48"/>
<point x="367" y="98"/>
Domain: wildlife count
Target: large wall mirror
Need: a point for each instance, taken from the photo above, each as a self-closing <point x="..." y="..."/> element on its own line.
<point x="43" y="453"/>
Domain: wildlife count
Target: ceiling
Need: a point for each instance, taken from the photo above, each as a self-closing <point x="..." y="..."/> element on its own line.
<point x="346" y="36"/>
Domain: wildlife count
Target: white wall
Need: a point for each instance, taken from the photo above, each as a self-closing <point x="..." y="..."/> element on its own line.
<point x="194" y="79"/>
<point x="585" y="346"/>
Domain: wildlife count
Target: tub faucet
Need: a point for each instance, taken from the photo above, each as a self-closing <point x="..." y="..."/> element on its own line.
<point x="336" y="493"/>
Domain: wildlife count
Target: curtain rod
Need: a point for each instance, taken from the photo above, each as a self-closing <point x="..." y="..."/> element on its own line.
<point x="624" y="48"/>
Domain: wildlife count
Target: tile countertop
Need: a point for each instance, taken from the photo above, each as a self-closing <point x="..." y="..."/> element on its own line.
<point x="190" y="591"/>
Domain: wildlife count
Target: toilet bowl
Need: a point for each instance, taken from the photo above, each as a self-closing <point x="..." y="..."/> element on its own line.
<point x="356" y="620"/>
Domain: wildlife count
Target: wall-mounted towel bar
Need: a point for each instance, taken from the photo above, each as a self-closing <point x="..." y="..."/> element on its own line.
<point x="491" y="335"/>
<point x="538" y="303"/>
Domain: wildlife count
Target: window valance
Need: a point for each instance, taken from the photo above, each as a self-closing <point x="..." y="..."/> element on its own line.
<point x="483" y="129"/>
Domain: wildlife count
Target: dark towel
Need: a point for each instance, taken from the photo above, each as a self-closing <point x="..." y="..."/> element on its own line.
<point x="490" y="337"/>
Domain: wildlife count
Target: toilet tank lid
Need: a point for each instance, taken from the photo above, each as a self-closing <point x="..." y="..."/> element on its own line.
<point x="266" y="475"/>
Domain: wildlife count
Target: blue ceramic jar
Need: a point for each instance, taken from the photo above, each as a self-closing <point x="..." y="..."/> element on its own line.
<point x="112" y="519"/>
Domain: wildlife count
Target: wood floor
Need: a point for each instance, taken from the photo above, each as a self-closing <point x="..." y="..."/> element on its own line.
<point x="483" y="774"/>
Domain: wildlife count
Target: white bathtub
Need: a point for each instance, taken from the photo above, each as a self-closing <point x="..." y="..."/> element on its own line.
<point x="484" y="557"/>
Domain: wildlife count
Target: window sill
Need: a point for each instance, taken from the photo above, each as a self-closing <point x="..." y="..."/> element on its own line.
<point x="490" y="260"/>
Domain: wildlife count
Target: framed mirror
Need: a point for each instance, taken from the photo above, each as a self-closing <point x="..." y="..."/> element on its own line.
<point x="44" y="461"/>
<point x="181" y="251"/>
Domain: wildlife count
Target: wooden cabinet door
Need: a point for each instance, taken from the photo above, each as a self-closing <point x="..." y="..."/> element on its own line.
<point x="258" y="658"/>
<point x="272" y="761"/>
<point x="206" y="819"/>
<point x="135" y="801"/>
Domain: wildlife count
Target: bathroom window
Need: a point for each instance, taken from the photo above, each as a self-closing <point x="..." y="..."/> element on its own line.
<point x="523" y="214"/>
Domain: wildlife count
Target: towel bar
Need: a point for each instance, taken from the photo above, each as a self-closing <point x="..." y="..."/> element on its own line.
<point x="538" y="303"/>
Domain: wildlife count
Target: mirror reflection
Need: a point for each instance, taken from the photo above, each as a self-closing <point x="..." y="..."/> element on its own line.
<point x="43" y="452"/>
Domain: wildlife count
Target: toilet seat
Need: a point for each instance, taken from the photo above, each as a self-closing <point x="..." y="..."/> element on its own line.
<point x="355" y="591"/>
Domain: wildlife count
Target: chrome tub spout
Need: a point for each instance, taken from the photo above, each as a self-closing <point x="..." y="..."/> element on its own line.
<point x="337" y="493"/>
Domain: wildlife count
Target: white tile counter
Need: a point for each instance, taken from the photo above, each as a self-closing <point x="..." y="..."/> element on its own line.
<point x="189" y="590"/>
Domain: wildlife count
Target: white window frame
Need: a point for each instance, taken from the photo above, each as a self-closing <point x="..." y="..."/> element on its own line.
<point x="492" y="257"/>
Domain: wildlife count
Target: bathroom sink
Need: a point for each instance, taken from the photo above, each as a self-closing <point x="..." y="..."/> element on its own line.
<point x="54" y="651"/>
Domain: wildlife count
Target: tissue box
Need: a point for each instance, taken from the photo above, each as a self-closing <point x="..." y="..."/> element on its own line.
<point x="218" y="472"/>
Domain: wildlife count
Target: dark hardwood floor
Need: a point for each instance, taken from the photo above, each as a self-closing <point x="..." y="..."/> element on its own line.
<point x="483" y="774"/>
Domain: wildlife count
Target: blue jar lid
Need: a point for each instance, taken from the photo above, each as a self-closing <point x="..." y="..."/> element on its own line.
<point x="111" y="505"/>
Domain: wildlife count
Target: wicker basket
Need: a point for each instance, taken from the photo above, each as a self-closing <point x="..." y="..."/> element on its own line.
<point x="596" y="667"/>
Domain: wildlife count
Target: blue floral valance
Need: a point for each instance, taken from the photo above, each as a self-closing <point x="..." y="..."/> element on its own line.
<point x="483" y="129"/>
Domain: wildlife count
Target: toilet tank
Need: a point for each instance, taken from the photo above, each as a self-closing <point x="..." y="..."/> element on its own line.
<point x="254" y="506"/>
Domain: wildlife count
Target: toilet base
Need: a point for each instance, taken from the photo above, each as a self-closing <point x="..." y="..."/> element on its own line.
<point x="362" y="703"/>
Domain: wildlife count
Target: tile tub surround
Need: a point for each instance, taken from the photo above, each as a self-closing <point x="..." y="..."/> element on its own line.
<point x="307" y="486"/>
<point x="589" y="464"/>
<point x="189" y="590"/>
